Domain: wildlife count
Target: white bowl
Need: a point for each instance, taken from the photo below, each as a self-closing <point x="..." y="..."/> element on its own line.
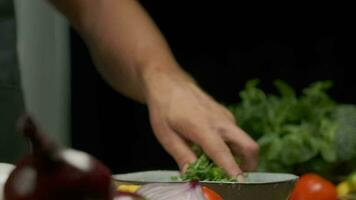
<point x="267" y="186"/>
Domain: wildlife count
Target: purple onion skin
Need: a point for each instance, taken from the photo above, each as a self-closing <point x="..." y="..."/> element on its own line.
<point x="53" y="173"/>
<point x="172" y="191"/>
<point x="126" y="195"/>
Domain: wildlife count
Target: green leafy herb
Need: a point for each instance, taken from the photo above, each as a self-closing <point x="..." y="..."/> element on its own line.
<point x="310" y="132"/>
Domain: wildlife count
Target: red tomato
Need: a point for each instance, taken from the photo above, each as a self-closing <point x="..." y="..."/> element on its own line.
<point x="210" y="194"/>
<point x="313" y="187"/>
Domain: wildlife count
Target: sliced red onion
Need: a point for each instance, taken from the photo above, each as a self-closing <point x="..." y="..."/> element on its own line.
<point x="127" y="196"/>
<point x="172" y="191"/>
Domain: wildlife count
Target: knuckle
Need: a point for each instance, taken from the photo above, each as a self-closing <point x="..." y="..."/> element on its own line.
<point x="221" y="130"/>
<point x="184" y="125"/>
<point x="228" y="114"/>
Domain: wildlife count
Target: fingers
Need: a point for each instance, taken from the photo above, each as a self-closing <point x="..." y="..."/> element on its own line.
<point x="220" y="142"/>
<point x="243" y="145"/>
<point x="177" y="147"/>
<point x="240" y="143"/>
<point x="174" y="145"/>
<point x="220" y="153"/>
<point x="211" y="143"/>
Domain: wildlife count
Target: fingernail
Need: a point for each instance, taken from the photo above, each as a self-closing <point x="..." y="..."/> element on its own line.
<point x="241" y="177"/>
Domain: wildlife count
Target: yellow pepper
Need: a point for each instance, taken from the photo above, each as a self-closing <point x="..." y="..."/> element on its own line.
<point x="352" y="181"/>
<point x="343" y="189"/>
<point x="128" y="188"/>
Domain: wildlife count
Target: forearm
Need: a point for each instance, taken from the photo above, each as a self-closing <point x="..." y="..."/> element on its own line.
<point x="125" y="44"/>
<point x="134" y="58"/>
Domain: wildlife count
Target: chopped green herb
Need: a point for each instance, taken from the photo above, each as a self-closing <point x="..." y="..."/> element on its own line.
<point x="203" y="169"/>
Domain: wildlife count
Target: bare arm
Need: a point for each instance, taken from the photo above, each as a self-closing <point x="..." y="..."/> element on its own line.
<point x="132" y="55"/>
<point x="123" y="40"/>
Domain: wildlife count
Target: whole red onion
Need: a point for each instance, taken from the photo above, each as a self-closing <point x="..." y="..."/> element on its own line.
<point x="54" y="173"/>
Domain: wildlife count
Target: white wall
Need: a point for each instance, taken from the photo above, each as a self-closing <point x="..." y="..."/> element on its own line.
<point x="43" y="45"/>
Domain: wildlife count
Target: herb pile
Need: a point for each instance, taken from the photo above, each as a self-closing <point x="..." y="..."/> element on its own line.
<point x="203" y="169"/>
<point x="299" y="134"/>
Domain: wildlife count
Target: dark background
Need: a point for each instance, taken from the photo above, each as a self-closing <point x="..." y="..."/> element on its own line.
<point x="222" y="46"/>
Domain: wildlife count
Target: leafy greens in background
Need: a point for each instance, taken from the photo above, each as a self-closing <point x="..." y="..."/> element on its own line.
<point x="298" y="134"/>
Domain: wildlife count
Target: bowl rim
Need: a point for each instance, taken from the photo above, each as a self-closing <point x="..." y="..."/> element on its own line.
<point x="121" y="178"/>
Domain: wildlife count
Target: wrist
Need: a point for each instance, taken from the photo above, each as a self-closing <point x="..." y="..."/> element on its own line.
<point x="160" y="80"/>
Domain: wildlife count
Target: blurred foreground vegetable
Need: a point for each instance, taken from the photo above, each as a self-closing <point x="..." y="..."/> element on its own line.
<point x="351" y="180"/>
<point x="313" y="187"/>
<point x="55" y="173"/>
<point x="299" y="134"/>
<point x="346" y="190"/>
<point x="173" y="191"/>
<point x="210" y="194"/>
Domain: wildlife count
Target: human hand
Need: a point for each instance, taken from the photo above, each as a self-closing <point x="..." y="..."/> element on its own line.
<point x="181" y="114"/>
<point x="127" y="48"/>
